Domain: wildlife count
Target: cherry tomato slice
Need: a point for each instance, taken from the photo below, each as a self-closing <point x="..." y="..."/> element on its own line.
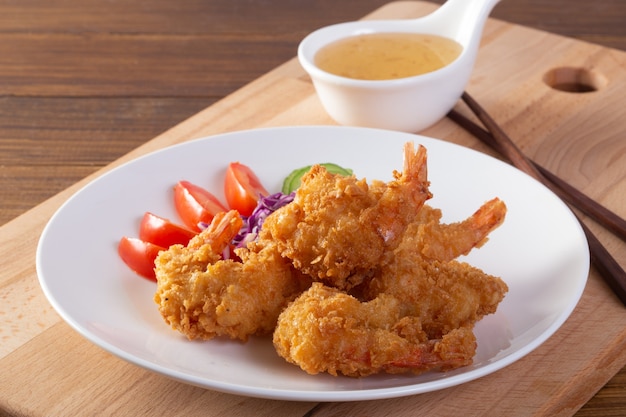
<point x="195" y="205"/>
<point x="242" y="188"/>
<point x="139" y="255"/>
<point x="162" y="232"/>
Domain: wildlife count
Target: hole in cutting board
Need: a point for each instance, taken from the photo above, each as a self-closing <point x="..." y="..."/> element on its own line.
<point x="574" y="80"/>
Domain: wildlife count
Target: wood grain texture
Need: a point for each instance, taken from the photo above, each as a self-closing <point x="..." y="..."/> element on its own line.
<point x="77" y="70"/>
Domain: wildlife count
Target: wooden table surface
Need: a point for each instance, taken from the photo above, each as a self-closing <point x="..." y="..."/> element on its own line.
<point x="83" y="82"/>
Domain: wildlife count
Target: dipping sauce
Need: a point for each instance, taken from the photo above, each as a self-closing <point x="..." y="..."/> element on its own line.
<point x="385" y="56"/>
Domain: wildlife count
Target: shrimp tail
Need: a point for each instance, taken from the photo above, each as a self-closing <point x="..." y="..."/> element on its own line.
<point x="219" y="233"/>
<point x="454" y="350"/>
<point x="325" y="330"/>
<point x="404" y="196"/>
<point x="445" y="242"/>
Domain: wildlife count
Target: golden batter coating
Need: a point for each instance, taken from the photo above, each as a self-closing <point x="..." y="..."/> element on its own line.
<point x="337" y="229"/>
<point x="327" y="330"/>
<point x="203" y="296"/>
<point x="352" y="278"/>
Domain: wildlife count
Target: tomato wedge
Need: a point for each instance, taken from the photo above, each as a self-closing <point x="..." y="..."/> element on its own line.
<point x="242" y="188"/>
<point x="162" y="232"/>
<point x="139" y="255"/>
<point x="195" y="205"/>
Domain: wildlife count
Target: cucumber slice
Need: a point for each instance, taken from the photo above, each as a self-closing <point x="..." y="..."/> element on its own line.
<point x="292" y="181"/>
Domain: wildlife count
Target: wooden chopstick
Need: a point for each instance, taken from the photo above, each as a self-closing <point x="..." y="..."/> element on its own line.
<point x="565" y="191"/>
<point x="607" y="266"/>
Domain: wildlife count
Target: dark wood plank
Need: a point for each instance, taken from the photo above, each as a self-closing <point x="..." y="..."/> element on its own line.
<point x="188" y="17"/>
<point x="155" y="65"/>
<point x="599" y="22"/>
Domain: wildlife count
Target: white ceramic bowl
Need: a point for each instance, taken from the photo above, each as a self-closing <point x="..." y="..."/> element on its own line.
<point x="407" y="104"/>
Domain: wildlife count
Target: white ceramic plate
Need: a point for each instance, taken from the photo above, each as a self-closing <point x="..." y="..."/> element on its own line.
<point x="540" y="251"/>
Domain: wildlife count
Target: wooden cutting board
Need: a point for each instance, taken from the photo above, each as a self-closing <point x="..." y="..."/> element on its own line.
<point x="48" y="369"/>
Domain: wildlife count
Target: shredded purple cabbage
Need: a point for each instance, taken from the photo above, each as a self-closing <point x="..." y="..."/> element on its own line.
<point x="253" y="223"/>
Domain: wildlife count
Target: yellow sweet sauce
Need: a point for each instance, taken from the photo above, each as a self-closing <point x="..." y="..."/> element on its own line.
<point x="384" y="56"/>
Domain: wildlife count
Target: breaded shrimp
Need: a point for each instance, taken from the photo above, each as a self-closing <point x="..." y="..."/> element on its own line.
<point x="402" y="198"/>
<point x="326" y="330"/>
<point x="444" y="293"/>
<point x="203" y="296"/>
<point x="336" y="230"/>
<point x="390" y="297"/>
<point x="317" y="230"/>
<point x="445" y="242"/>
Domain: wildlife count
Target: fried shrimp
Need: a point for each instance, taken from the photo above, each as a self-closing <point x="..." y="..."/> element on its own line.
<point x="443" y="295"/>
<point x="402" y="198"/>
<point x="316" y="231"/>
<point x="203" y="296"/>
<point x="443" y="292"/>
<point x="337" y="229"/>
<point x="327" y="330"/>
<point x="420" y="310"/>
<point x="352" y="278"/>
